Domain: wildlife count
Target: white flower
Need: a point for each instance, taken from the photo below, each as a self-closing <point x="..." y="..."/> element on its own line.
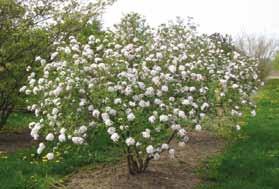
<point x="202" y="90"/>
<point x="156" y="80"/>
<point x="108" y="122"/>
<point x="132" y="104"/>
<point x="43" y="62"/>
<point x="175" y="127"/>
<point x="35" y="131"/>
<point x="130" y="141"/>
<point x="186" y="102"/>
<point x="163" y="118"/>
<point x="62" y="137"/>
<point x="172" y="68"/>
<point x="181" y="114"/>
<point x="138" y="144"/>
<point x="55" y="111"/>
<point x="234" y="86"/>
<point x="198" y="127"/>
<point x="181" y="68"/>
<point x="202" y="115"/>
<point x="41" y="147"/>
<point x="149" y="91"/>
<point x="50" y="137"/>
<point x="146" y="133"/>
<point x="128" y="91"/>
<point x="182" y="132"/>
<point x="159" y="55"/>
<point x="67" y="50"/>
<point x="117" y="101"/>
<point x="82" y="102"/>
<point x="192" y="89"/>
<point x="156" y="156"/>
<point x="149" y="149"/>
<point x="157" y="101"/>
<point x="171" y="99"/>
<point x="22" y="89"/>
<point x="50" y="156"/>
<point x="172" y="153"/>
<point x="28" y="92"/>
<point x="165" y="88"/>
<point x="96" y="113"/>
<point x="237" y="127"/>
<point x="58" y="91"/>
<point x="114" y="137"/>
<point x="152" y="119"/>
<point x="37" y="58"/>
<point x="181" y="46"/>
<point x="141" y="85"/>
<point x="90" y="108"/>
<point x="53" y="55"/>
<point x="62" y="130"/>
<point x="105" y="116"/>
<point x="131" y="117"/>
<point x="165" y="147"/>
<point x="204" y="106"/>
<point x="253" y="113"/>
<point x="77" y="140"/>
<point x="111" y="130"/>
<point x="82" y="129"/>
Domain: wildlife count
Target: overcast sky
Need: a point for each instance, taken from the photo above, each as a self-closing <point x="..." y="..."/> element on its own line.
<point x="225" y="16"/>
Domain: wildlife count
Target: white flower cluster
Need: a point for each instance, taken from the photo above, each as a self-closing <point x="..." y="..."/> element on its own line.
<point x="145" y="86"/>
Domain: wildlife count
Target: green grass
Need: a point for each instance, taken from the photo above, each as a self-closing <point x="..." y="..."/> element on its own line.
<point x="275" y="63"/>
<point x="251" y="162"/>
<point x="17" y="122"/>
<point x="21" y="171"/>
<point x="275" y="67"/>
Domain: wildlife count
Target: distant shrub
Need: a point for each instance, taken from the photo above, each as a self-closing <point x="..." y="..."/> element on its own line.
<point x="260" y="47"/>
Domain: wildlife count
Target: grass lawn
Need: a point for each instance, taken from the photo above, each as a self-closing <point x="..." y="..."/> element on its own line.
<point x="17" y="122"/>
<point x="275" y="67"/>
<point x="252" y="162"/>
<point x="22" y="170"/>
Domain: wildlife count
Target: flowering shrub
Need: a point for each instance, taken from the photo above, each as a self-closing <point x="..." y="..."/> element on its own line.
<point x="146" y="87"/>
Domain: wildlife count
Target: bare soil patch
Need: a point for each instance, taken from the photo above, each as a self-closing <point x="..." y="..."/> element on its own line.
<point x="10" y="142"/>
<point x="179" y="173"/>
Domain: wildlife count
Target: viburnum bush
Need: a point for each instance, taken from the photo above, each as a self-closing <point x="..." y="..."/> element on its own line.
<point x="146" y="86"/>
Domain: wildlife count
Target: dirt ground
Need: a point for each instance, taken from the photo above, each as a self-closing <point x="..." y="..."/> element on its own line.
<point x="273" y="75"/>
<point x="10" y="142"/>
<point x="179" y="173"/>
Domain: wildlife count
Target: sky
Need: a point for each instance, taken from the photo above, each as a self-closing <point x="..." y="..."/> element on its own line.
<point x="225" y="16"/>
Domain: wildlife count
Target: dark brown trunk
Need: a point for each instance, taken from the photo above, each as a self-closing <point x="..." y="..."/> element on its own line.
<point x="137" y="166"/>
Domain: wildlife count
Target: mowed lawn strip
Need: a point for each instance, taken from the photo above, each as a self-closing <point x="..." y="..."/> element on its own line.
<point x="252" y="162"/>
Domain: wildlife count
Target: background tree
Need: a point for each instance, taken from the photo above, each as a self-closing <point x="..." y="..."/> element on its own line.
<point x="258" y="46"/>
<point x="18" y="47"/>
<point x="29" y="28"/>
